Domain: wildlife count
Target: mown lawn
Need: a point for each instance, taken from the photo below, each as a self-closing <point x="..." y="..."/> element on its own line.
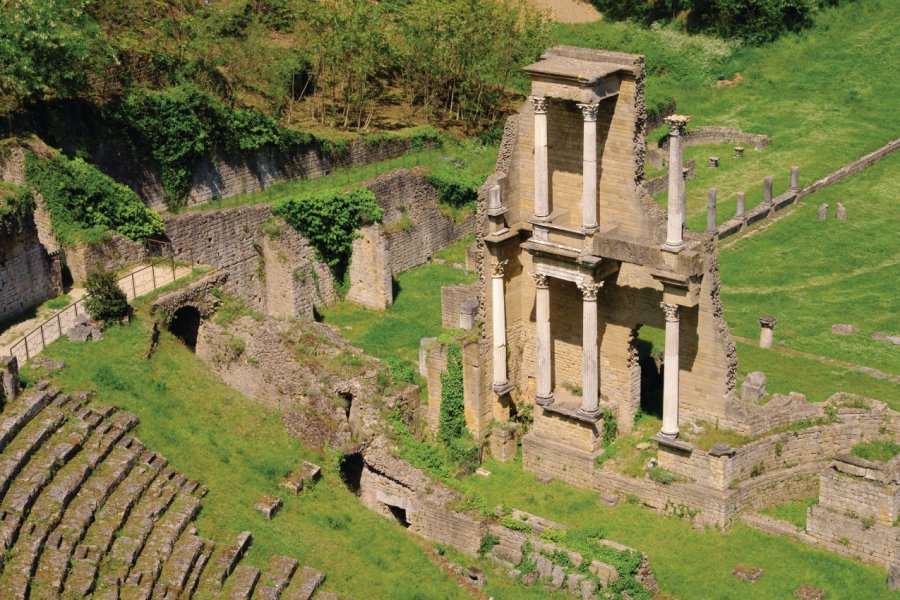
<point x="240" y="450"/>
<point x="415" y="314"/>
<point x="688" y="564"/>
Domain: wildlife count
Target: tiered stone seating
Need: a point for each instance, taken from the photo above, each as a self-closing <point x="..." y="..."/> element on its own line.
<point x="87" y="510"/>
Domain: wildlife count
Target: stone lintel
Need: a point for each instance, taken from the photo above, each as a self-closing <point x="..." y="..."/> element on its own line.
<point x="608" y="244"/>
<point x="673" y="444"/>
<point x="572" y="412"/>
<point x="679" y="289"/>
<point x="554" y="250"/>
<point x="501" y="236"/>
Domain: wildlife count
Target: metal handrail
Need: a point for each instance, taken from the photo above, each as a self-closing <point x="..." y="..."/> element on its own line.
<point x="57" y="318"/>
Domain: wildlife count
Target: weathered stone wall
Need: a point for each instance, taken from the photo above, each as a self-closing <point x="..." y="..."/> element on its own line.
<point x="452" y="297"/>
<point x="847" y="535"/>
<point x="28" y="275"/>
<point x="371" y="284"/>
<point x="407" y="194"/>
<point x="196" y="294"/>
<point x="112" y="254"/>
<point x="436" y="363"/>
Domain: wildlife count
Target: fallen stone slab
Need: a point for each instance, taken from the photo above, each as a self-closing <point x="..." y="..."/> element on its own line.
<point x="47" y="363"/>
<point x="268" y="505"/>
<point x="808" y="592"/>
<point x="609" y="499"/>
<point x="886" y="337"/>
<point x="843" y="329"/>
<point x="747" y="573"/>
<point x="306" y="473"/>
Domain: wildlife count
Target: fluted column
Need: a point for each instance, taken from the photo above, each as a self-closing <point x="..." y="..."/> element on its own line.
<point x="543" y="375"/>
<point x="672" y="367"/>
<point x="541" y="175"/>
<point x="589" y="168"/>
<point x="674" y="240"/>
<point x="498" y="306"/>
<point x="590" y="397"/>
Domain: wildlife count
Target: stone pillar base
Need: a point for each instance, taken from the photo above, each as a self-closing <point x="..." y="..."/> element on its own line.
<point x="543" y="400"/>
<point x="503" y="444"/>
<point x="501" y="389"/>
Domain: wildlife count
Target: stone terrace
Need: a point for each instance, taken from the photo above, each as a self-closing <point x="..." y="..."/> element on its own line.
<point x="87" y="510"/>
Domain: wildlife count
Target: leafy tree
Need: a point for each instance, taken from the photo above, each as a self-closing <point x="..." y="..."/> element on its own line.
<point x="47" y="48"/>
<point x="104" y="299"/>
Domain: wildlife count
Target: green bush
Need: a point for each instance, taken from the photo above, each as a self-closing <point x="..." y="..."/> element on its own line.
<point x="487" y="544"/>
<point x="452" y="418"/>
<point x="176" y="127"/>
<point x="661" y="475"/>
<point x="456" y="186"/>
<point x="402" y="371"/>
<point x="104" y="299"/>
<point x="877" y="450"/>
<point x="15" y="202"/>
<point x="85" y="204"/>
<point x="329" y="221"/>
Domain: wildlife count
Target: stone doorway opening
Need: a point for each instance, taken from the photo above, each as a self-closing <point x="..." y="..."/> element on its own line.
<point x="351" y="471"/>
<point x="346" y="402"/>
<point x="399" y="514"/>
<point x="649" y="343"/>
<point x="185" y="326"/>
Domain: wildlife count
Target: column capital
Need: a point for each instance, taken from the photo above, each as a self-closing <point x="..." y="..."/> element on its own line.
<point x="671" y="311"/>
<point x="497" y="268"/>
<point x="541" y="281"/>
<point x="767" y="322"/>
<point x="677" y="124"/>
<point x="589" y="290"/>
<point x="539" y="103"/>
<point x="589" y="111"/>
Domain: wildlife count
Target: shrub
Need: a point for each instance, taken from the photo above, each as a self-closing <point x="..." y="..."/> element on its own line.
<point x="401" y="370"/>
<point x="104" y="299"/>
<point x="452" y="419"/>
<point x="15" y="203"/>
<point x="515" y="524"/>
<point x="84" y="203"/>
<point x="487" y="544"/>
<point x="456" y="186"/>
<point x="329" y="220"/>
<point x="661" y="475"/>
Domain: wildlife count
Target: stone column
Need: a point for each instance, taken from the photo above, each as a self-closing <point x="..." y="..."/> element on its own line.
<point x="767" y="189"/>
<point x="795" y="179"/>
<point x="498" y="316"/>
<point x="767" y="331"/>
<point x="590" y="393"/>
<point x="541" y="175"/>
<point x="543" y="374"/>
<point x="589" y="168"/>
<point x="671" y="366"/>
<point x="711" y="209"/>
<point x="739" y="208"/>
<point x="674" y="241"/>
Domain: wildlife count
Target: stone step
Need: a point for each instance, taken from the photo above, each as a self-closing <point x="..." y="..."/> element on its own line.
<point x="177" y="570"/>
<point x="190" y="588"/>
<point x="304" y="584"/>
<point x="109" y="519"/>
<point x="225" y="562"/>
<point x="241" y="584"/>
<point x="18" y="414"/>
<point x="142" y="577"/>
<point x="66" y="443"/>
<point x="20" y="450"/>
<point x="48" y="509"/>
<point x="275" y="578"/>
<point x="132" y="536"/>
<point x="51" y="570"/>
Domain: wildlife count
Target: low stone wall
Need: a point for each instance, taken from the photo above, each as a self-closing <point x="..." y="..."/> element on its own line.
<point x="657" y="185"/>
<point x="196" y="294"/>
<point x="717" y="134"/>
<point x="112" y="254"/>
<point x="407" y="195"/>
<point x="452" y="297"/>
<point x="847" y="535"/>
<point x="854" y="167"/>
<point x="28" y="275"/>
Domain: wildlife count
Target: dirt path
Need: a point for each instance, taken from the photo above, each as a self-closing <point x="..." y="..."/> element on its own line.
<point x="568" y="11"/>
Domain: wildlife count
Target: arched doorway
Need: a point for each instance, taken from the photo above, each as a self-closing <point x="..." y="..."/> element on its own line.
<point x="185" y="325"/>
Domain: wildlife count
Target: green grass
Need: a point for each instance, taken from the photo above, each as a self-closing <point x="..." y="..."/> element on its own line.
<point x="476" y="158"/>
<point x="58" y="303"/>
<point x="415" y="314"/>
<point x="455" y="253"/>
<point x="687" y="563"/>
<point x="793" y="512"/>
<point x="877" y="450"/>
<point x="241" y="450"/>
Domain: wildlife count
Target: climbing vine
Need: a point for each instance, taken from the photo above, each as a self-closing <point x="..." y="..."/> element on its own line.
<point x="452" y="421"/>
<point x="329" y="220"/>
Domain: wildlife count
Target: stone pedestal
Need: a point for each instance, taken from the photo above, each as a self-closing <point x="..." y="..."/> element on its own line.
<point x="767" y="189"/>
<point x="503" y="444"/>
<point x="739" y="207"/>
<point x="671" y="366"/>
<point x="823" y="212"/>
<point x="767" y="331"/>
<point x="9" y="379"/>
<point x="541" y="176"/>
<point x="674" y="241"/>
<point x="543" y="376"/>
<point x="840" y="212"/>
<point x="589" y="168"/>
<point x="795" y="179"/>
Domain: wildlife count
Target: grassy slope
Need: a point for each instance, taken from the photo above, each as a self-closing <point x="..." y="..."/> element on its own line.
<point x="812" y="275"/>
<point x="240" y="450"/>
<point x="688" y="564"/>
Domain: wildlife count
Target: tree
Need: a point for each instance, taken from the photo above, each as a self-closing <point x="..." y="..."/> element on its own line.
<point x="104" y="299"/>
<point x="47" y="48"/>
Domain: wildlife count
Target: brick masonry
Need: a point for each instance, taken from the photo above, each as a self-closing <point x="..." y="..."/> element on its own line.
<point x="28" y="275"/>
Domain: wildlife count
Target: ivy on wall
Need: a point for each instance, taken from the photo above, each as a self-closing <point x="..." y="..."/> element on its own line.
<point x="84" y="204"/>
<point x="330" y="220"/>
<point x="452" y="418"/>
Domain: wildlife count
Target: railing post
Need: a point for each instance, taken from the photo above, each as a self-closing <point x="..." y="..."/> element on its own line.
<point x="153" y="274"/>
<point x="59" y="323"/>
<point x="27" y="353"/>
<point x="173" y="268"/>
<point x="133" y="288"/>
<point x="43" y="341"/>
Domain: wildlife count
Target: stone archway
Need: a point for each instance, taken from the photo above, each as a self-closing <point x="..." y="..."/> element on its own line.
<point x="185" y="325"/>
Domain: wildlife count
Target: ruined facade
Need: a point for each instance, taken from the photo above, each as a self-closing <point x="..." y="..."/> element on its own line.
<point x="578" y="258"/>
